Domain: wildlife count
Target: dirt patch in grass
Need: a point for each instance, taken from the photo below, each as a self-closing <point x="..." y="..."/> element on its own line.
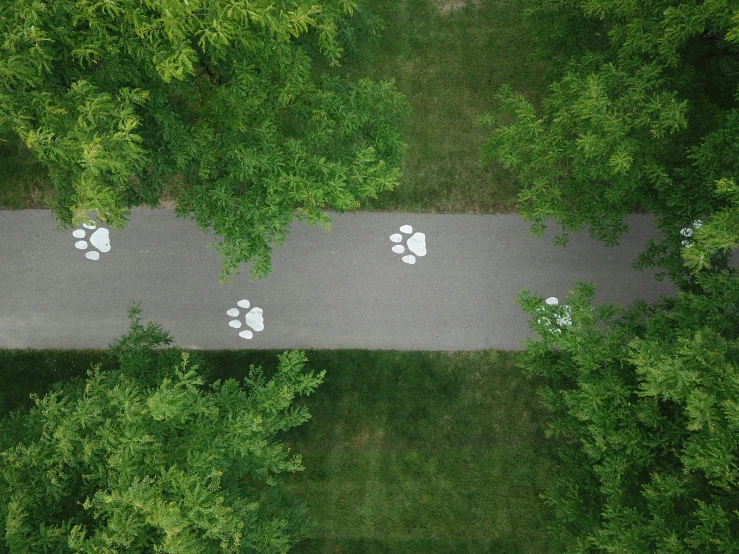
<point x="446" y="6"/>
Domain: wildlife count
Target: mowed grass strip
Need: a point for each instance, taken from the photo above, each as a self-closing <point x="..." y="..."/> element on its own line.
<point x="406" y="452"/>
<point x="412" y="452"/>
<point x="449" y="58"/>
<point x="23" y="372"/>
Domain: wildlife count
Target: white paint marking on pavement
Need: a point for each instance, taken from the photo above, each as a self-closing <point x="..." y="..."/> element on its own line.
<point x="100" y="239"/>
<point x="417" y="244"/>
<point x="254" y="319"/>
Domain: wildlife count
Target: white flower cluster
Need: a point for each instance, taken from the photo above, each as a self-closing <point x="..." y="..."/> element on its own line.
<point x="687" y="232"/>
<point x="562" y="315"/>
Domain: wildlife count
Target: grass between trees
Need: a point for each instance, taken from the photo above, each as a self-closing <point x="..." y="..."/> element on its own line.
<point x="406" y="451"/>
<point x="448" y="58"/>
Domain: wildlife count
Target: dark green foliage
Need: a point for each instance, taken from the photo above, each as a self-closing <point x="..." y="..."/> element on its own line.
<point x="146" y="457"/>
<point x="642" y="116"/>
<point x="122" y="101"/>
<point x="646" y="410"/>
<point x="41" y="369"/>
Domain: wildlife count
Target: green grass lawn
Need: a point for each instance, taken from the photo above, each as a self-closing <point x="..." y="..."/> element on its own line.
<point x="407" y="452"/>
<point x="449" y="62"/>
<point x="423" y="453"/>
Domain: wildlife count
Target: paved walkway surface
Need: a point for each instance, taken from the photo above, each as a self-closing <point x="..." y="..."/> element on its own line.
<point x="340" y="289"/>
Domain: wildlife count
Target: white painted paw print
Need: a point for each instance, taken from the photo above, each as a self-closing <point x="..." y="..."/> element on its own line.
<point x="416" y="244"/>
<point x="98" y="241"/>
<point x="562" y="315"/>
<point x="253" y="319"/>
<point x="687" y="233"/>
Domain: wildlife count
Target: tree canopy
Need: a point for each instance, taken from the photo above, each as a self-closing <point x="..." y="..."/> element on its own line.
<point x="645" y="414"/>
<point x="642" y="115"/>
<point x="147" y="457"/>
<point x="122" y="100"/>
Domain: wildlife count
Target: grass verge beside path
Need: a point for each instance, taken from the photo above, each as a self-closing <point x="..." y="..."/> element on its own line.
<point x="406" y="452"/>
<point x="449" y="57"/>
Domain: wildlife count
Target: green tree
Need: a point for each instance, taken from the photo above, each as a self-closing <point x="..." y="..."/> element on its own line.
<point x="642" y="115"/>
<point x="644" y="407"/>
<point x="148" y="458"/>
<point x="122" y="100"/>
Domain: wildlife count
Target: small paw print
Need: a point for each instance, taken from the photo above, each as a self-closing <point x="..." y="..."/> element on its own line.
<point x="99" y="240"/>
<point x="253" y="319"/>
<point x="562" y="315"/>
<point x="687" y="232"/>
<point x="416" y="243"/>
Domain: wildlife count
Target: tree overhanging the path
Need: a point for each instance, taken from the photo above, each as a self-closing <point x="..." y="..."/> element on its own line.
<point x="642" y="114"/>
<point x="121" y="100"/>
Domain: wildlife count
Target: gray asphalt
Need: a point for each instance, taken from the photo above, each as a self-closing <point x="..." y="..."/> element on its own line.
<point x="339" y="289"/>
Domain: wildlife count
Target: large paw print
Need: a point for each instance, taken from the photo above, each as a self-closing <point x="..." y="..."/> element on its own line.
<point x="253" y="319"/>
<point x="416" y="243"/>
<point x="99" y="240"/>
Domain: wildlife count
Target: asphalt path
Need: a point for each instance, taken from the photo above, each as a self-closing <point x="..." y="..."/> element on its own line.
<point x="340" y="289"/>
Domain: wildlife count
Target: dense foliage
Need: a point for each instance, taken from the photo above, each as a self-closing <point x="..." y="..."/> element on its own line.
<point x="124" y="100"/>
<point x="642" y="115"/>
<point x="148" y="458"/>
<point x="645" y="410"/>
